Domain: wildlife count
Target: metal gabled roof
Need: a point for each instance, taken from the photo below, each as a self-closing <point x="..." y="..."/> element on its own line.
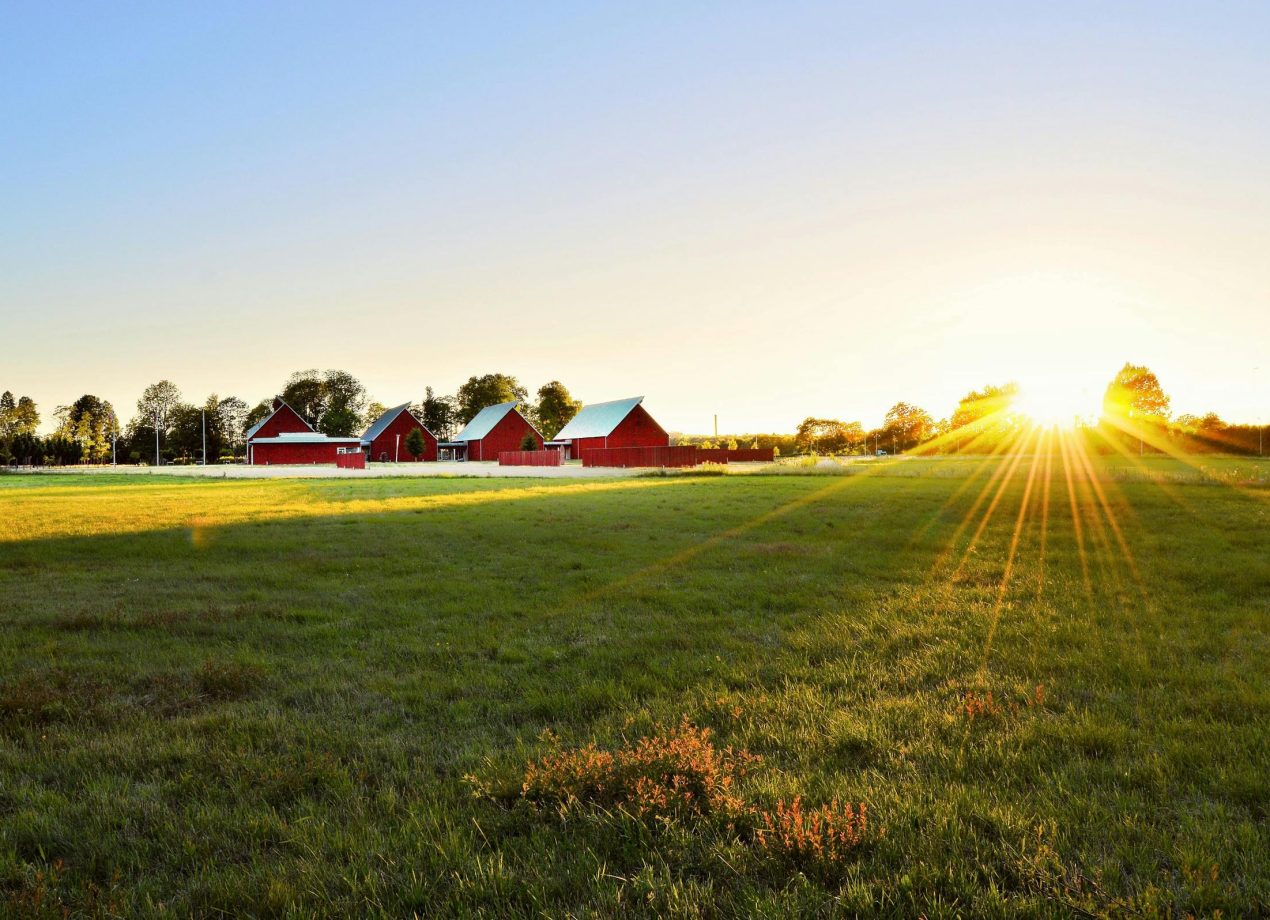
<point x="377" y="427"/>
<point x="484" y="421"/>
<point x="279" y="402"/>
<point x="598" y="419"/>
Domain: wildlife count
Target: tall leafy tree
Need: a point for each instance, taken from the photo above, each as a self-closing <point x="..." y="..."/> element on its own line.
<point x="331" y="401"/>
<point x="487" y="390"/>
<point x="439" y="414"/>
<point x="555" y="408"/>
<point x="828" y="436"/>
<point x="90" y="423"/>
<point x="231" y="422"/>
<point x="17" y="415"/>
<point x="345" y="403"/>
<point x="306" y="394"/>
<point x="1135" y="393"/>
<point x="906" y="425"/>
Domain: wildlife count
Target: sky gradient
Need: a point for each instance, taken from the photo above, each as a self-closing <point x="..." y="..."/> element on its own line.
<point x="761" y="211"/>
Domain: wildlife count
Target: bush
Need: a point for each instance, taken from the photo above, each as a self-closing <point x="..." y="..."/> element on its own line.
<point x="528" y="442"/>
<point x="673" y="773"/>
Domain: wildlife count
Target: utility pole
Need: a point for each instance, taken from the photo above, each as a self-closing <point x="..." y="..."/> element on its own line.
<point x="396" y="451"/>
<point x="204" y="437"/>
<point x="158" y="459"/>
<point x="716" y="426"/>
<point x="114" y="440"/>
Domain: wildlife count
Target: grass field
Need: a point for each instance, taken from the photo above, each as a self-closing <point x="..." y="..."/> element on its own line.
<point x="301" y="698"/>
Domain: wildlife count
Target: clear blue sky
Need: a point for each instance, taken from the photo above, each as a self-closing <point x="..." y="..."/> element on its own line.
<point x="761" y="210"/>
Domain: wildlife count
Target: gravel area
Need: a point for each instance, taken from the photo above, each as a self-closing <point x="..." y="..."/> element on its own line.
<point x="373" y="471"/>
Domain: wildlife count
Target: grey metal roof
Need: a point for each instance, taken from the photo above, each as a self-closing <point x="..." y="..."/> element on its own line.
<point x="598" y="419"/>
<point x="484" y="421"/>
<point x="281" y="402"/>
<point x="377" y="427"/>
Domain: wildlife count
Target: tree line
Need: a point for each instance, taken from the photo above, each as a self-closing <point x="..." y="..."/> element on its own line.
<point x="1135" y="417"/>
<point x="167" y="426"/>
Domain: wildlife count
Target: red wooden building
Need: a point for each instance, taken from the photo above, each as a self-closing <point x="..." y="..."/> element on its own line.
<point x="385" y="439"/>
<point x="494" y="429"/>
<point x="620" y="423"/>
<point x="284" y="437"/>
<point x="301" y="448"/>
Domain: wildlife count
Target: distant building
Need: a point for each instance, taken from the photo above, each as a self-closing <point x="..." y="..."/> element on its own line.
<point x="619" y="423"/>
<point x="493" y="430"/>
<point x="385" y="439"/>
<point x="284" y="437"/>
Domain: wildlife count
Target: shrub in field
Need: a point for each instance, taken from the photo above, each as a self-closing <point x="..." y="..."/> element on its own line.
<point x="987" y="706"/>
<point x="812" y="838"/>
<point x="673" y="773"/>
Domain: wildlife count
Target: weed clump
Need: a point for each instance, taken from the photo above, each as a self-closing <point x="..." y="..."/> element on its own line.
<point x="674" y="773"/>
<point x="987" y="706"/>
<point x="227" y="680"/>
<point x="816" y="839"/>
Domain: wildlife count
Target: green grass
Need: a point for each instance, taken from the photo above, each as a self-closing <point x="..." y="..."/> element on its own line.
<point x="302" y="698"/>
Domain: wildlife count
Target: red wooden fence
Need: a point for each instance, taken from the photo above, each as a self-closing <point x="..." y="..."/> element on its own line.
<point x="530" y="458"/>
<point x="751" y="455"/>
<point x="351" y="461"/>
<point x="641" y="456"/>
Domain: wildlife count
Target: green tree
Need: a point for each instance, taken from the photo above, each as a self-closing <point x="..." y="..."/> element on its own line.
<point x="305" y="394"/>
<point x="345" y="404"/>
<point x="415" y="443"/>
<point x="90" y="423"/>
<point x="528" y="442"/>
<point x="556" y="407"/>
<point x="231" y="423"/>
<point x="906" y="426"/>
<point x="155" y="406"/>
<point x="487" y="390"/>
<point x="1135" y="393"/>
<point x="331" y="401"/>
<point x="438" y="414"/>
<point x="828" y="436"/>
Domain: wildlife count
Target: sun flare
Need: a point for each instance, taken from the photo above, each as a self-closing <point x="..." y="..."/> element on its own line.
<point x="1055" y="404"/>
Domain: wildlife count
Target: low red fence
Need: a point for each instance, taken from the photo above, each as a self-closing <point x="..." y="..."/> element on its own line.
<point x="752" y="455"/>
<point x="530" y="458"/>
<point x="353" y="461"/>
<point x="641" y="456"/>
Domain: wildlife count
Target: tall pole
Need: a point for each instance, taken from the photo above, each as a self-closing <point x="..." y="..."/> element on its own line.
<point x="716" y="426"/>
<point x="204" y="437"/>
<point x="158" y="459"/>
<point x="396" y="451"/>
<point x="114" y="440"/>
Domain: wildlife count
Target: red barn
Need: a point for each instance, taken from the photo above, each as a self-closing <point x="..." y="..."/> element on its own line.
<point x="620" y="423"/>
<point x="284" y="437"/>
<point x="493" y="430"/>
<point x="301" y="447"/>
<point x="282" y="420"/>
<point x="385" y="439"/>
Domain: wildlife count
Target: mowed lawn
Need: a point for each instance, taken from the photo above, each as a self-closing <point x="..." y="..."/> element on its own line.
<point x="310" y="698"/>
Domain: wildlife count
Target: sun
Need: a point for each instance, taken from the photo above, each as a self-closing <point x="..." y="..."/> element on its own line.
<point x="1053" y="403"/>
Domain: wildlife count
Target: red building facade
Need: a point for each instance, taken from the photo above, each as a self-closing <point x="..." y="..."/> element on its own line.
<point x="620" y="423"/>
<point x="385" y="439"/>
<point x="282" y="420"/>
<point x="494" y="429"/>
<point x="300" y="448"/>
